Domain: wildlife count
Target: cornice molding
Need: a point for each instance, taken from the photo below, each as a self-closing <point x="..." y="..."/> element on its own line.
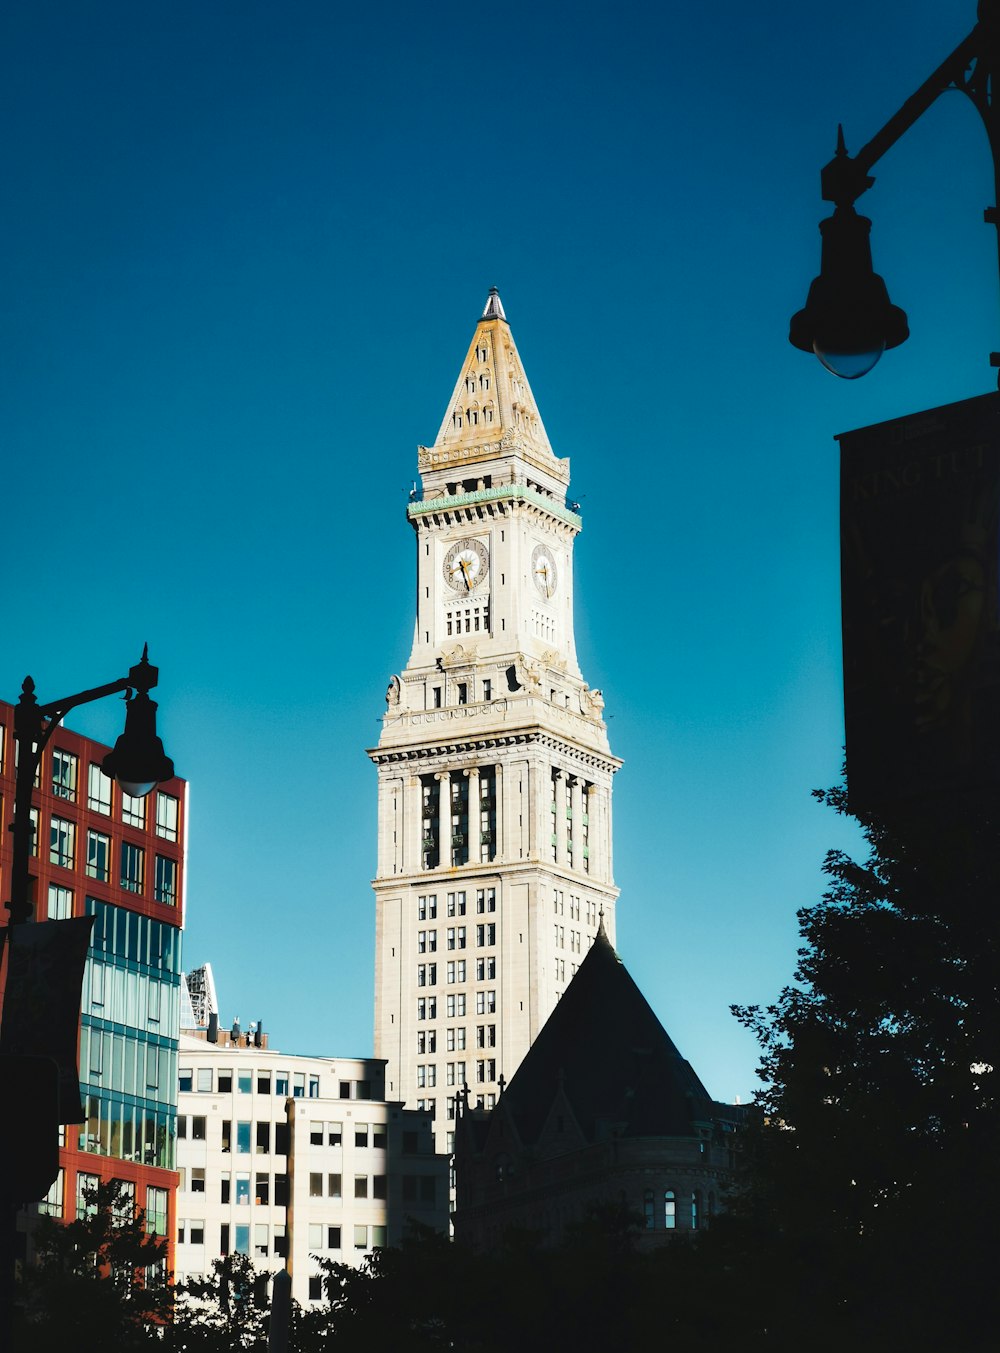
<point x="519" y="494"/>
<point x="429" y="753"/>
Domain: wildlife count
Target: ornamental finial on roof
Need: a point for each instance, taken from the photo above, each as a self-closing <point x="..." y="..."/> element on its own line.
<point x="494" y="306"/>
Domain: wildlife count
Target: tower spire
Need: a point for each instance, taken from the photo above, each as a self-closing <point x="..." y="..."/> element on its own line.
<point x="492" y="402"/>
<point x="494" y="306"/>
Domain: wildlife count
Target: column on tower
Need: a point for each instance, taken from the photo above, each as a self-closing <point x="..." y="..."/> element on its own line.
<point x="500" y="825"/>
<point x="559" y="781"/>
<point x="576" y="821"/>
<point x="474" y="852"/>
<point x="533" y="809"/>
<point x="413" y="828"/>
<point x="443" y="778"/>
<point x="592" y="864"/>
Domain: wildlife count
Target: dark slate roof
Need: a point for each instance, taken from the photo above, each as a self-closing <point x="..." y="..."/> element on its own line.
<point x="618" y="1066"/>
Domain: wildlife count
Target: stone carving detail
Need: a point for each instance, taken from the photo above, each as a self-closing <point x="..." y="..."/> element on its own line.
<point x="591" y="703"/>
<point x="393" y="692"/>
<point x="459" y="656"/>
<point x="528" y="672"/>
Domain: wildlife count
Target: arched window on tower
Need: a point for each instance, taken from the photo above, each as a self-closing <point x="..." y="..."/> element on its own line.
<point x="669" y="1210"/>
<point x="695" y="1209"/>
<point x="456" y="418"/>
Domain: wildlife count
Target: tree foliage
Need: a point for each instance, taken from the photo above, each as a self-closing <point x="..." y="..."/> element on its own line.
<point x="226" y="1312"/>
<point x="873" y="1177"/>
<point x="99" y="1281"/>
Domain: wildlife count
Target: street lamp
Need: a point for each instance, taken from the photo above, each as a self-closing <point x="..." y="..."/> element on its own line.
<point x="848" y="320"/>
<point x="137" y="762"/>
<point x="41" y="1000"/>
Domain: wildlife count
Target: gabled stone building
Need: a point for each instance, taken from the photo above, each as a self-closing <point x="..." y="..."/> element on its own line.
<point x="603" y="1109"/>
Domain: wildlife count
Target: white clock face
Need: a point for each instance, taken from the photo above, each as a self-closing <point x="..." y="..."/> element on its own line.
<point x="465" y="565"/>
<point x="543" y="570"/>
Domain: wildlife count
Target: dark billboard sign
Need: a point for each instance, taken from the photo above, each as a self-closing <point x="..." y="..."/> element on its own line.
<point x="919" y="509"/>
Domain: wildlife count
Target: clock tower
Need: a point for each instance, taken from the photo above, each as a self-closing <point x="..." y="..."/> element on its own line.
<point x="494" y="771"/>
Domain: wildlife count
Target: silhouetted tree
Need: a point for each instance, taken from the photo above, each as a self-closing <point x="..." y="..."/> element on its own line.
<point x="872" y="1187"/>
<point x="226" y="1312"/>
<point x="99" y="1281"/>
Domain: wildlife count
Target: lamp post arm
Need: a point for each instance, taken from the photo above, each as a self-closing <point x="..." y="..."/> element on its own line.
<point x="846" y="177"/>
<point x="34" y="725"/>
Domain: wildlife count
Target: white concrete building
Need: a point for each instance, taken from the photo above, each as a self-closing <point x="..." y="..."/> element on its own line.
<point x="283" y="1157"/>
<point x="494" y="771"/>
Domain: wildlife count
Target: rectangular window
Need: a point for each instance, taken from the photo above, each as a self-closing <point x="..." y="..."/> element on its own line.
<point x="333" y="1186"/>
<point x="263" y="1082"/>
<point x="60" y="903"/>
<point x="165" y="881"/>
<point x="156" y="1211"/>
<point x="166" y="816"/>
<point x="260" y="1240"/>
<point x="242" y="1240"/>
<point x="64" y="775"/>
<point x="334" y="1134"/>
<point x="185" y="1081"/>
<point x="204" y="1080"/>
<point x="361" y="1237"/>
<point x="315" y="1237"/>
<point x="133" y="811"/>
<point x="333" y="1237"/>
<point x="225" y="1080"/>
<point x="316" y="1186"/>
<point x="361" y="1186"/>
<point x="298" y="1085"/>
<point x="263" y="1139"/>
<point x="427" y="907"/>
<point x="62" y="842"/>
<point x="243" y="1189"/>
<point x="98" y="790"/>
<point x="262" y="1188"/>
<point x="133" y="867"/>
<point x="315" y="1134"/>
<point x="98" y="856"/>
<point x="52" y="1204"/>
<point x="360" y="1134"/>
<point x="243" y="1139"/>
<point x="244" y="1082"/>
<point x="198" y="1129"/>
<point x="281" y="1083"/>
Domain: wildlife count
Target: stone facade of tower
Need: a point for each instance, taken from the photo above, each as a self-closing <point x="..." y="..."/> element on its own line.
<point x="494" y="771"/>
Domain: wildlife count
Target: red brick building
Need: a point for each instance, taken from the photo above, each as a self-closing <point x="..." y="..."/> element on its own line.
<point x="97" y="851"/>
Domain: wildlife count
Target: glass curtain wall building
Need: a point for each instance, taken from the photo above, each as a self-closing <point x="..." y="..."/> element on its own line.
<point x="99" y="852"/>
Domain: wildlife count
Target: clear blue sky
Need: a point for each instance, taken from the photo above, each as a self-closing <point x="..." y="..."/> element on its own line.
<point x="244" y="246"/>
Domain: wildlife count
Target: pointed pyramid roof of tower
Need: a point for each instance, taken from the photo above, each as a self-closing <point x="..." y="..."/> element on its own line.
<point x="605" y="1049"/>
<point x="494" y="306"/>
<point x="492" y="410"/>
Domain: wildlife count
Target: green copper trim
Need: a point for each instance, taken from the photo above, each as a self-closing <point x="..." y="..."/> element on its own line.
<point x="501" y="493"/>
